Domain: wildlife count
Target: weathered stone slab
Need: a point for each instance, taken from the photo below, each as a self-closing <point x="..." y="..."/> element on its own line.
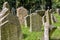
<point x="21" y="13"/>
<point x="43" y="19"/>
<point x="27" y="21"/>
<point x="2" y="18"/>
<point x="48" y="28"/>
<point x="35" y="22"/>
<point x="5" y="5"/>
<point x="53" y="19"/>
<point x="12" y="29"/>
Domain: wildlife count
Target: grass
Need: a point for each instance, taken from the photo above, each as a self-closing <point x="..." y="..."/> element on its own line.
<point x="56" y="34"/>
<point x="39" y="35"/>
<point x="31" y="35"/>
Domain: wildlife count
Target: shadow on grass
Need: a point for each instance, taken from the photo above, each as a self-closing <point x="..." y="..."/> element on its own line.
<point x="25" y="35"/>
<point x="54" y="39"/>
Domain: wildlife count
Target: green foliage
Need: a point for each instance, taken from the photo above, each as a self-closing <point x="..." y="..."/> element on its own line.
<point x="56" y="34"/>
<point x="29" y="4"/>
<point x="39" y="35"/>
<point x="12" y="3"/>
<point x="1" y="4"/>
<point x="31" y="35"/>
<point x="56" y="3"/>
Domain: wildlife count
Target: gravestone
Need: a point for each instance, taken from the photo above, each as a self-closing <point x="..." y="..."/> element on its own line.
<point x="43" y="19"/>
<point x="5" y="5"/>
<point x="3" y="13"/>
<point x="53" y="18"/>
<point x="36" y="21"/>
<point x="21" y="13"/>
<point x="2" y="18"/>
<point x="58" y="11"/>
<point x="48" y="27"/>
<point x="13" y="10"/>
<point x="27" y="21"/>
<point x="12" y="29"/>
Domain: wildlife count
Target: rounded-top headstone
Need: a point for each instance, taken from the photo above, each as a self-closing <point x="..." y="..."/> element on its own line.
<point x="21" y="13"/>
<point x="5" y="5"/>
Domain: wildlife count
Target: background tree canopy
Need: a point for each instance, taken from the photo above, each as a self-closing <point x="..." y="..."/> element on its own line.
<point x="12" y="3"/>
<point x="30" y="3"/>
<point x="56" y="3"/>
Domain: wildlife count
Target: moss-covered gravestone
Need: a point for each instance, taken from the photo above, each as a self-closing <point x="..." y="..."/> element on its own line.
<point x="36" y="21"/>
<point x="12" y="29"/>
<point x="2" y="16"/>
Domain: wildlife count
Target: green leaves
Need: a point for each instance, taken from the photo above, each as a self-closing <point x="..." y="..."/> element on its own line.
<point x="56" y="3"/>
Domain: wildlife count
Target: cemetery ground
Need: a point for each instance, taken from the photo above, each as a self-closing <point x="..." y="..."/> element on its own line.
<point x="40" y="25"/>
<point x="39" y="35"/>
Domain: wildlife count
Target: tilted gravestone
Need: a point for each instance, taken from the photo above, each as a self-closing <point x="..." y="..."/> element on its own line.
<point x="53" y="18"/>
<point x="3" y="14"/>
<point x="12" y="29"/>
<point x="21" y="13"/>
<point x="2" y="18"/>
<point x="36" y="21"/>
<point x="48" y="27"/>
